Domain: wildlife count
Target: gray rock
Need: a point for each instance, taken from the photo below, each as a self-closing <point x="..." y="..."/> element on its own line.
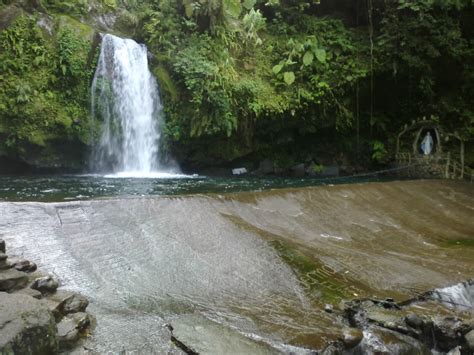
<point x="329" y="308"/>
<point x="30" y="292"/>
<point x="53" y="307"/>
<point x="69" y="302"/>
<point x="2" y="246"/>
<point x="83" y="320"/>
<point x="386" y="318"/>
<point x="68" y="334"/>
<point x="448" y="332"/>
<point x="71" y="328"/>
<point x="12" y="280"/>
<point x="414" y="321"/>
<point x="62" y="303"/>
<point x="24" y="265"/>
<point x="27" y="327"/>
<point x="469" y="337"/>
<point x="378" y="340"/>
<point x="4" y="264"/>
<point x="351" y="337"/>
<point x="333" y="349"/>
<point x="46" y="284"/>
<point x="74" y="304"/>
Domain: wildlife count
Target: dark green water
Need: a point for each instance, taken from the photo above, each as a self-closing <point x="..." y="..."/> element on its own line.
<point x="82" y="187"/>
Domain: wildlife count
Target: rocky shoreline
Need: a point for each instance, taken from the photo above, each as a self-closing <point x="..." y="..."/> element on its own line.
<point x="35" y="317"/>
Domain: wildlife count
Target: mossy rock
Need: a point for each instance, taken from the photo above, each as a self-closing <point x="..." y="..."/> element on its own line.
<point x="82" y="30"/>
<point x="8" y="15"/>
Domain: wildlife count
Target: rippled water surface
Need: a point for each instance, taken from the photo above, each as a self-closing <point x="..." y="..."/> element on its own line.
<point x="83" y="187"/>
<point x="258" y="264"/>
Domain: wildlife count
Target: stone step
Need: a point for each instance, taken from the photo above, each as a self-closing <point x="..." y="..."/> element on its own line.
<point x="12" y="279"/>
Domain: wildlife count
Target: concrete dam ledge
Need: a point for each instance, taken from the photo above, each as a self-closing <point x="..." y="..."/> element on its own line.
<point x="265" y="263"/>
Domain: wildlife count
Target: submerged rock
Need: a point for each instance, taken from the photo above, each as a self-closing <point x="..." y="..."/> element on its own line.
<point x="12" y="279"/>
<point x="27" y="326"/>
<point x="46" y="284"/>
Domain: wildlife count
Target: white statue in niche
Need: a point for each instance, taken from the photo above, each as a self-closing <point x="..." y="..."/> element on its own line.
<point x="427" y="144"/>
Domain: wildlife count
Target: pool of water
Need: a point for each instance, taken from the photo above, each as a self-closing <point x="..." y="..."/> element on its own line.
<point x="55" y="188"/>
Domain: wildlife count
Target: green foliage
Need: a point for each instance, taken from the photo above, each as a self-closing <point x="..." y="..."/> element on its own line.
<point x="426" y="47"/>
<point x="44" y="91"/>
<point x="258" y="76"/>
<point x="379" y="152"/>
<point x="207" y="71"/>
<point x="75" y="7"/>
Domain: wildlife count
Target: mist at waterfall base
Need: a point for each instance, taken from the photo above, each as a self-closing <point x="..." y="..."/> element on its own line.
<point x="126" y="103"/>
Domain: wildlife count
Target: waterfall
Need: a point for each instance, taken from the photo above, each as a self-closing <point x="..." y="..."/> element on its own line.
<point x="126" y="103"/>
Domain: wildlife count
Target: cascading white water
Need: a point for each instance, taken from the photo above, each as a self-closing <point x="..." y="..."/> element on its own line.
<point x="125" y="100"/>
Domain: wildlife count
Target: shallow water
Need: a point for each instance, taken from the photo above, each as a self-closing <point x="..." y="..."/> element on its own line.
<point x="260" y="263"/>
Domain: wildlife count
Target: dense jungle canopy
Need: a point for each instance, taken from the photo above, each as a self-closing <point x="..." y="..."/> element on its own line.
<point x="241" y="81"/>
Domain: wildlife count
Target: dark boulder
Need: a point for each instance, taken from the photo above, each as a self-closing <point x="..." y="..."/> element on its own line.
<point x="69" y="302"/>
<point x="46" y="284"/>
<point x="24" y="265"/>
<point x="448" y="332"/>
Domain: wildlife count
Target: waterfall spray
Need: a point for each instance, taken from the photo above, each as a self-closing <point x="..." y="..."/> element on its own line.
<point x="125" y="100"/>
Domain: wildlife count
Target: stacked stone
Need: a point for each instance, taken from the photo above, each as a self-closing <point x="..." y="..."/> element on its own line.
<point x="35" y="318"/>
